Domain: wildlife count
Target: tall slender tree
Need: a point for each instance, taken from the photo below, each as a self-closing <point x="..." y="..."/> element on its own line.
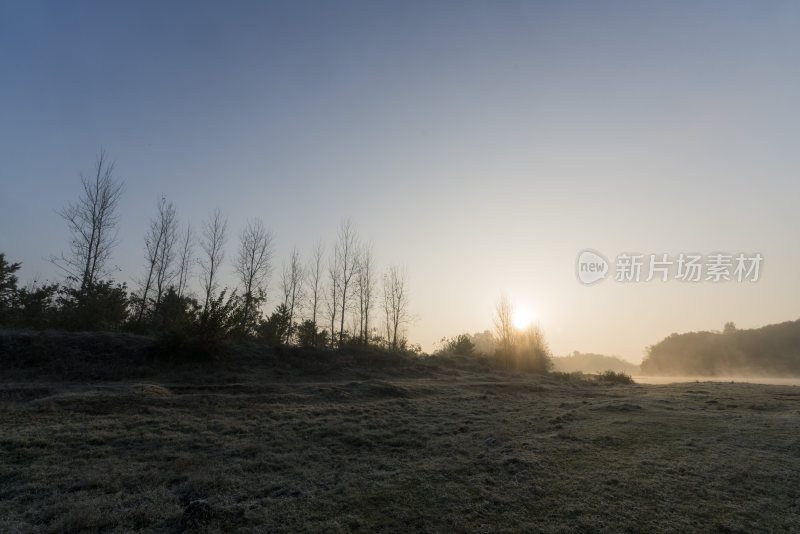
<point x="253" y="265"/>
<point x="347" y="252"/>
<point x="159" y="245"/>
<point x="504" y="327"/>
<point x="395" y="303"/>
<point x="315" y="271"/>
<point x="185" y="260"/>
<point x="365" y="285"/>
<point x="292" y="287"/>
<point x="92" y="222"/>
<point x="332" y="296"/>
<point x="213" y="245"/>
<point x="165" y="260"/>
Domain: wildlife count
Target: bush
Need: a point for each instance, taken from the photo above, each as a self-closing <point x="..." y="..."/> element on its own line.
<point x="614" y="378"/>
<point x="35" y="307"/>
<point x="222" y="317"/>
<point x="274" y="329"/>
<point x="102" y="307"/>
<point x="460" y="345"/>
<point x="308" y="335"/>
<point x="8" y="287"/>
<point x="575" y="376"/>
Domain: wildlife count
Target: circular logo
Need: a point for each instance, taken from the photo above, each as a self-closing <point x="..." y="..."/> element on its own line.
<point x="591" y="267"/>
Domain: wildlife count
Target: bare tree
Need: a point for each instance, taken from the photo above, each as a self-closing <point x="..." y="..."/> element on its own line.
<point x="395" y="303"/>
<point x="159" y="244"/>
<point x="532" y="351"/>
<point x="365" y="285"/>
<point x="92" y="221"/>
<point x="254" y="266"/>
<point x="185" y="260"/>
<point x="165" y="259"/>
<point x="347" y="252"/>
<point x="213" y="245"/>
<point x="292" y="287"/>
<point x="503" y="324"/>
<point x="315" y="273"/>
<point x="332" y="297"/>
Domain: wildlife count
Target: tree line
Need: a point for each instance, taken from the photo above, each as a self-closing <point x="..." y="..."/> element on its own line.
<point x="771" y="350"/>
<point x="334" y="297"/>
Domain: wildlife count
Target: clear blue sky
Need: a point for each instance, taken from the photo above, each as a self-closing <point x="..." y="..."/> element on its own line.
<point x="481" y="144"/>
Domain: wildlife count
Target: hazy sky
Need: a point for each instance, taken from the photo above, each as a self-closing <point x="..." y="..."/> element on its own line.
<point x="481" y="144"/>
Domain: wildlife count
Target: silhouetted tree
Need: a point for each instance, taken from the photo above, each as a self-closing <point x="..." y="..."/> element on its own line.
<point x="292" y="287"/>
<point x="8" y="287"/>
<point x="176" y="313"/>
<point x="315" y="274"/>
<point x="222" y="316"/>
<point x="308" y="335"/>
<point x="35" y="306"/>
<point x="253" y="265"/>
<point x="347" y="252"/>
<point x="365" y="285"/>
<point x="103" y="308"/>
<point x="395" y="303"/>
<point x="185" y="259"/>
<point x="213" y="245"/>
<point x="461" y="344"/>
<point x="332" y="296"/>
<point x="503" y="325"/>
<point x="273" y="330"/>
<point x="165" y="261"/>
<point x="531" y="351"/>
<point x="92" y="222"/>
<point x="159" y="245"/>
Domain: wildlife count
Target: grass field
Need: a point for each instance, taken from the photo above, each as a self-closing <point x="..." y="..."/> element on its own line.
<point x="453" y="451"/>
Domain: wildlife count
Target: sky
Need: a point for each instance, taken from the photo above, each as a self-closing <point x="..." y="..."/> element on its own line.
<point x="481" y="145"/>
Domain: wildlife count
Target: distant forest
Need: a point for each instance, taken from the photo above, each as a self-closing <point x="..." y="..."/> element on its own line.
<point x="772" y="350"/>
<point x="593" y="363"/>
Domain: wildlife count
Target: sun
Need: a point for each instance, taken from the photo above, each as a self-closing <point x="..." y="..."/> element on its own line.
<point x="522" y="318"/>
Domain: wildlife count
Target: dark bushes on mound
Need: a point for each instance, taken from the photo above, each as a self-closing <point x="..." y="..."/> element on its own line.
<point x="74" y="355"/>
<point x="179" y="346"/>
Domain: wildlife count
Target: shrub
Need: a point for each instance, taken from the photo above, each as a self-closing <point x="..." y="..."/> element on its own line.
<point x="308" y="335"/>
<point x="35" y="307"/>
<point x="273" y="330"/>
<point x="175" y="313"/>
<point x="461" y="345"/>
<point x="8" y="287"/>
<point x="614" y="378"/>
<point x="574" y="376"/>
<point x="103" y="306"/>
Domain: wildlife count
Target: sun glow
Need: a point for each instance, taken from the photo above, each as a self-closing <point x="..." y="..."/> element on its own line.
<point x="522" y="318"/>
